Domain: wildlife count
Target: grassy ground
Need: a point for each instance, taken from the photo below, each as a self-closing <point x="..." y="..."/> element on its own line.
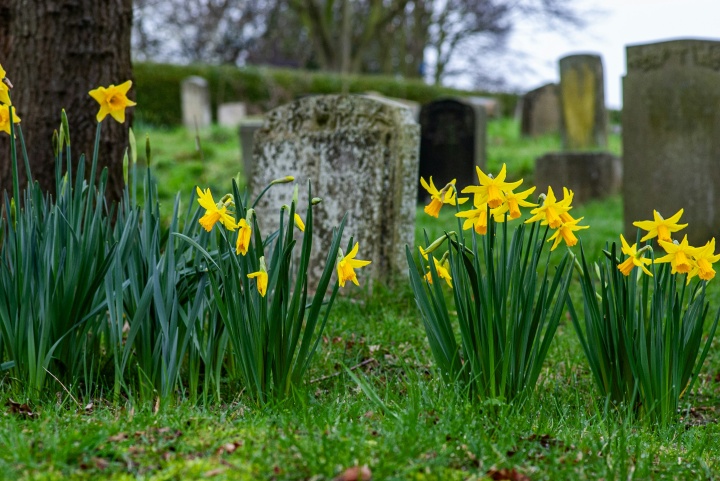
<point x="416" y="428"/>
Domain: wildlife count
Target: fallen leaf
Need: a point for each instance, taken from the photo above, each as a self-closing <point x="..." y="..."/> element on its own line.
<point x="101" y="463"/>
<point x="20" y="409"/>
<point x="213" y="472"/>
<point x="356" y="473"/>
<point x="506" y="474"/>
<point x="118" y="437"/>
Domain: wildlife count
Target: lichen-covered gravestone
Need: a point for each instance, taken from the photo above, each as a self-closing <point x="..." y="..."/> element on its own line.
<point x="195" y="102"/>
<point x="540" y="113"/>
<point x="582" y="100"/>
<point x="671" y="135"/>
<point x="452" y="142"/>
<point x="361" y="156"/>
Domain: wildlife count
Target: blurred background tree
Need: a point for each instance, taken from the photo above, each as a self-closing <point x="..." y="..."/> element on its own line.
<point x="55" y="52"/>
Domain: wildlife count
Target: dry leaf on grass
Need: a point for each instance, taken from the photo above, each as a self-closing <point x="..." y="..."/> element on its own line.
<point x="356" y="473"/>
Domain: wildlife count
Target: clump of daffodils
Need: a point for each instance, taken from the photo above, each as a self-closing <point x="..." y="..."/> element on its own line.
<point x="683" y="258"/>
<point x="6" y="106"/>
<point x="496" y="200"/>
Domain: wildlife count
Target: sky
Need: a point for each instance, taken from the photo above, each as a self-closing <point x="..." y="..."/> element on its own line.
<point x="611" y="26"/>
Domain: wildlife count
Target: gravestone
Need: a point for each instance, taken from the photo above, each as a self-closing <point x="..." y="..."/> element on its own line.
<point x="671" y="135"/>
<point x="248" y="127"/>
<point x="196" y="103"/>
<point x="492" y="106"/>
<point x="583" y="116"/>
<point x="361" y="156"/>
<point x="540" y="111"/>
<point x="590" y="175"/>
<point x="453" y="138"/>
<point x="410" y="104"/>
<point x="231" y="114"/>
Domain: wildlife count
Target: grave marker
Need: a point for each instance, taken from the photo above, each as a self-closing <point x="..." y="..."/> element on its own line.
<point x="196" y="103"/>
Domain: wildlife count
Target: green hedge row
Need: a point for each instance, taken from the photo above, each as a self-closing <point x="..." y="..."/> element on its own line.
<point x="262" y="88"/>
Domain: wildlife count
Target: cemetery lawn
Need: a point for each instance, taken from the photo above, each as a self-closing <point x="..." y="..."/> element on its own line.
<point x="400" y="420"/>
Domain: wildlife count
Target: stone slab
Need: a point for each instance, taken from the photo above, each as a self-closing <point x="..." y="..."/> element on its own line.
<point x="590" y="175"/>
<point x="583" y="116"/>
<point x="231" y="114"/>
<point x="195" y="103"/>
<point x="540" y="111"/>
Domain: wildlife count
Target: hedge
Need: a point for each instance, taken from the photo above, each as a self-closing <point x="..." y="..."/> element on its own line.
<point x="263" y="88"/>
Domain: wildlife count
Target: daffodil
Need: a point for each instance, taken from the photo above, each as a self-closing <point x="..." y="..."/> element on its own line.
<point x="565" y="232"/>
<point x="346" y="266"/>
<point x="550" y="210"/>
<point x="704" y="259"/>
<point x="113" y="100"/>
<point x="446" y="195"/>
<point x="512" y="204"/>
<point x="243" y="240"/>
<point x="659" y="227"/>
<point x="476" y="218"/>
<point x="5" y="118"/>
<point x="678" y="255"/>
<point x="299" y="223"/>
<point x="443" y="271"/>
<point x="4" y="89"/>
<point x="262" y="277"/>
<point x="492" y="190"/>
<point x="214" y="212"/>
<point x="635" y="258"/>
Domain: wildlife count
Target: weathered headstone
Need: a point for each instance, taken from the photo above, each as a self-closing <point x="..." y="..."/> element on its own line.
<point x="590" y="175"/>
<point x="196" y="102"/>
<point x="231" y="114"/>
<point x="361" y="156"/>
<point x="492" y="105"/>
<point x="582" y="100"/>
<point x="453" y="139"/>
<point x="410" y="104"/>
<point x="671" y="135"/>
<point x="540" y="111"/>
<point x="248" y="127"/>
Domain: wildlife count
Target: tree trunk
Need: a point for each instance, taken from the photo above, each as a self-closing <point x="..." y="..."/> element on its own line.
<point x="55" y="52"/>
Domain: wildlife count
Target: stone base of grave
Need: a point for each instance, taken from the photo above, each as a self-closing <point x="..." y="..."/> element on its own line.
<point x="247" y="128"/>
<point x="590" y="175"/>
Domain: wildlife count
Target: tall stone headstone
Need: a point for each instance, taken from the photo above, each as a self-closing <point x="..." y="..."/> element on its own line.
<point x="361" y="156"/>
<point x="540" y="111"/>
<point x="196" y="102"/>
<point x="671" y="135"/>
<point x="453" y="142"/>
<point x="230" y="114"/>
<point x="583" y="116"/>
<point x="248" y="127"/>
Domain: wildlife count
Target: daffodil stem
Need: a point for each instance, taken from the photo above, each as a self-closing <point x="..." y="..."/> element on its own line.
<point x="96" y="149"/>
<point x="13" y="156"/>
<point x="26" y="161"/>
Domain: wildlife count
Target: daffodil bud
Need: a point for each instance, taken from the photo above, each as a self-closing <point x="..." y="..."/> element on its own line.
<point x="315" y="200"/>
<point x="249" y="216"/>
<point x="437" y="243"/>
<point x="133" y="146"/>
<point x="55" y="143"/>
<point x="284" y="180"/>
<point x="126" y="161"/>
<point x="295" y="195"/>
<point x="147" y="149"/>
<point x="7" y="82"/>
<point x="65" y="128"/>
<point x="13" y="213"/>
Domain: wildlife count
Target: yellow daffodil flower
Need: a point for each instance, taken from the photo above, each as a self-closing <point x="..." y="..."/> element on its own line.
<point x="262" y="277"/>
<point x="243" y="240"/>
<point x="299" y="223"/>
<point x="680" y="256"/>
<point x="443" y="271"/>
<point x="659" y="227"/>
<point x="476" y="218"/>
<point x="491" y="190"/>
<point x="113" y="100"/>
<point x="4" y="89"/>
<point x="5" y="118"/>
<point x="550" y="210"/>
<point x="512" y="204"/>
<point x="446" y="195"/>
<point x="213" y="212"/>
<point x="635" y="259"/>
<point x="704" y="259"/>
<point x="346" y="266"/>
<point x="565" y="232"/>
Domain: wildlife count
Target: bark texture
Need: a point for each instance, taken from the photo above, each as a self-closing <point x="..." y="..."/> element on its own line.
<point x="55" y="52"/>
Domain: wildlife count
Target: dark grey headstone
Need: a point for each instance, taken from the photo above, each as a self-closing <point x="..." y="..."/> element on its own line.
<point x="452" y="142"/>
<point x="671" y="135"/>
<point x="540" y="112"/>
<point x="582" y="98"/>
<point x="590" y="175"/>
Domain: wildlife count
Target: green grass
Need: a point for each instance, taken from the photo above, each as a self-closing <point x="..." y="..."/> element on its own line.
<point x="416" y="429"/>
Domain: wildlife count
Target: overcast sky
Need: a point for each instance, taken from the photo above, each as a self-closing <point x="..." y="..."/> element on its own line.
<point x="613" y="25"/>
